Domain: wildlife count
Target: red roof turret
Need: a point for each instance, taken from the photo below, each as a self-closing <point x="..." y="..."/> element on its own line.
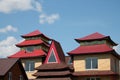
<point x="35" y="33"/>
<point x="95" y="36"/>
<point x="35" y="44"/>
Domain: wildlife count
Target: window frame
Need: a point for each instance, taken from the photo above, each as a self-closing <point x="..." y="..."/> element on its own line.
<point x="91" y="63"/>
<point x="28" y="66"/>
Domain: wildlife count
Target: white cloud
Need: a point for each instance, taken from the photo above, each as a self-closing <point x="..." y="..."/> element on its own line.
<point x="7" y="46"/>
<point x="48" y="18"/>
<point x="8" y="29"/>
<point x="117" y="48"/>
<point x="8" y="6"/>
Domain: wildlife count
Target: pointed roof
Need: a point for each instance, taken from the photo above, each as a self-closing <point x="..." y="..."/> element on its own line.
<point x="91" y="49"/>
<point x="35" y="33"/>
<point x="56" y="70"/>
<point x="6" y="64"/>
<point x="95" y="36"/>
<point x="56" y="49"/>
<point x="24" y="54"/>
<point x="31" y="43"/>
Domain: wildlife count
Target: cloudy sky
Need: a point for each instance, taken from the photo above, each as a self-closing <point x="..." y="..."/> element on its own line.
<point x="62" y="20"/>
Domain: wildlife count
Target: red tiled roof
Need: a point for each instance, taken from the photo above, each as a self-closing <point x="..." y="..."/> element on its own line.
<point x="93" y="36"/>
<point x="24" y="54"/>
<point x="94" y="73"/>
<point x="34" y="33"/>
<point x="96" y="36"/>
<point x="30" y="42"/>
<point x="101" y="48"/>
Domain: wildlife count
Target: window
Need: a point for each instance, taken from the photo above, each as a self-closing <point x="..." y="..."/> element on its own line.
<point x="91" y="63"/>
<point x="29" y="65"/>
<point x="21" y="77"/>
<point x="92" y="78"/>
<point x="30" y="49"/>
<point x="52" y="57"/>
<point x="10" y="76"/>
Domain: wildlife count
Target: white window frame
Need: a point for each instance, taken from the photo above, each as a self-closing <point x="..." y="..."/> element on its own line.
<point x="91" y="68"/>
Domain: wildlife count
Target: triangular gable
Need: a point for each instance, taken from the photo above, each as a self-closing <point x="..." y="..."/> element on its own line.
<point x="52" y="56"/>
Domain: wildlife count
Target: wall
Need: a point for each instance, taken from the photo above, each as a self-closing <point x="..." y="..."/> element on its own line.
<point x="38" y="62"/>
<point x="103" y="62"/>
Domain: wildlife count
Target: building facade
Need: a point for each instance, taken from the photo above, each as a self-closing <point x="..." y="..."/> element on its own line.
<point x="95" y="58"/>
<point x="33" y="51"/>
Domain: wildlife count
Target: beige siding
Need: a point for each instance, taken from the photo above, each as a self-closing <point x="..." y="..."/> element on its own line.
<point x="38" y="62"/>
<point x="103" y="62"/>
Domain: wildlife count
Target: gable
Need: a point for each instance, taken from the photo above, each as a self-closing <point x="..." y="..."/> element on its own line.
<point x="52" y="57"/>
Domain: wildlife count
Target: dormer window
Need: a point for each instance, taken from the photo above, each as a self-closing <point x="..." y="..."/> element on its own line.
<point x="52" y="57"/>
<point x="30" y="49"/>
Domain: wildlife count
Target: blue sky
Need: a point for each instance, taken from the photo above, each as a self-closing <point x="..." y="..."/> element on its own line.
<point x="62" y="20"/>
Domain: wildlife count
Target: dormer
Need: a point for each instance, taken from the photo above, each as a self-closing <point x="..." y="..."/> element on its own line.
<point x="95" y="39"/>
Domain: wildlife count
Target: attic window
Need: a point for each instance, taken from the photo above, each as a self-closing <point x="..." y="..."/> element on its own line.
<point x="52" y="57"/>
<point x="30" y="49"/>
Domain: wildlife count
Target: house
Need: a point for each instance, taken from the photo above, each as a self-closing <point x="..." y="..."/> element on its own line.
<point x="12" y="69"/>
<point x="33" y="51"/>
<point x="55" y="66"/>
<point x="95" y="58"/>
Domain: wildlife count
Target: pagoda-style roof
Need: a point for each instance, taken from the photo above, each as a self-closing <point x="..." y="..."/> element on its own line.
<point x="90" y="49"/>
<point x="95" y="36"/>
<point x="25" y="54"/>
<point x="35" y="33"/>
<point x="31" y="43"/>
<point x="94" y="73"/>
<point x="54" y="67"/>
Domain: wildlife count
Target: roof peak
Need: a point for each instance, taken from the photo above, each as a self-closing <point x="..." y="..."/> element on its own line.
<point x="92" y="36"/>
<point x="33" y="33"/>
<point x="55" y="53"/>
